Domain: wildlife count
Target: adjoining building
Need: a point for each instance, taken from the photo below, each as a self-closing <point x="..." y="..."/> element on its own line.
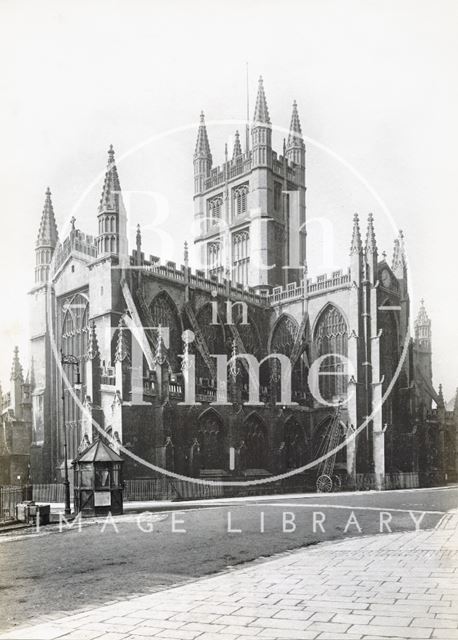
<point x="16" y="428"/>
<point x="91" y="295"/>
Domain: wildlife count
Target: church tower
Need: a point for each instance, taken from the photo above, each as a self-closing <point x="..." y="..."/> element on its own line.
<point x="250" y="211"/>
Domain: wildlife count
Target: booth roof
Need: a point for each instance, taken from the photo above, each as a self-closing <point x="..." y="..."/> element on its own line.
<point x="99" y="452"/>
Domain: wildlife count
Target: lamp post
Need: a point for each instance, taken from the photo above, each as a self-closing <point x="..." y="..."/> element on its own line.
<point x="74" y="362"/>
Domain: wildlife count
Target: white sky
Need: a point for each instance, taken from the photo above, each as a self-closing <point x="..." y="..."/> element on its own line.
<point x="375" y="82"/>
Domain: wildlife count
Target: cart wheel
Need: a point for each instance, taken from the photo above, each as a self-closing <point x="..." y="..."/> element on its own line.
<point x="324" y="484"/>
<point x="337" y="481"/>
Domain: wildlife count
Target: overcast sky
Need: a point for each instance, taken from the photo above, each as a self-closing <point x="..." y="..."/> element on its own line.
<point x="376" y="87"/>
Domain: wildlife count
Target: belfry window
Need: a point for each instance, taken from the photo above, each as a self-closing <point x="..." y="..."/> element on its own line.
<point x="240" y="199"/>
<point x="331" y="338"/>
<point x="240" y="256"/>
<point x="214" y="210"/>
<point x="214" y="262"/>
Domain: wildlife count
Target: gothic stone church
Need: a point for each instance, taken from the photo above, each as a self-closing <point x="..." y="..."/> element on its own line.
<point x="90" y="294"/>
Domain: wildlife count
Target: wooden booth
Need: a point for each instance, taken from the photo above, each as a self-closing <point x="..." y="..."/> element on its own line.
<point x="98" y="481"/>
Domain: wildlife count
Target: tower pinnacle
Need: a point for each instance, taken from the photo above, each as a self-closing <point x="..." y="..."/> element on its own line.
<point x="93" y="345"/>
<point x="295" y="131"/>
<point x="47" y="233"/>
<point x="111" y="187"/>
<point x="112" y="220"/>
<point x="237" y="152"/>
<point x="371" y="243"/>
<point x="356" y="243"/>
<point x="261" y="111"/>
<point x="399" y="265"/>
<point x="202" y="144"/>
<point x="16" y="368"/>
<point x="46" y="241"/>
<point x="202" y="157"/>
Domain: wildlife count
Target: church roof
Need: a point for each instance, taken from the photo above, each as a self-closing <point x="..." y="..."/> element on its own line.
<point x="47" y="233"/>
<point x="261" y="111"/>
<point x="111" y="186"/>
<point x="99" y="452"/>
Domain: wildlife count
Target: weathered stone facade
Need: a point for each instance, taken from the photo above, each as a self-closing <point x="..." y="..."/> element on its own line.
<point x="91" y="296"/>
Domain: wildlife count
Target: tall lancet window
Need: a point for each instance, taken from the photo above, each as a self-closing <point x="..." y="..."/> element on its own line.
<point x="241" y="256"/>
<point x="240" y="199"/>
<point x="331" y="338"/>
<point x="214" y="260"/>
<point x="74" y="341"/>
<point x="214" y="210"/>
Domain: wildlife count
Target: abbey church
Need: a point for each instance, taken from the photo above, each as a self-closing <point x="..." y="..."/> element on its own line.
<point x="143" y="331"/>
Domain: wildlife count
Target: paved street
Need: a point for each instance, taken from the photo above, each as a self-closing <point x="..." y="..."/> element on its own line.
<point x="397" y="586"/>
<point x="54" y="572"/>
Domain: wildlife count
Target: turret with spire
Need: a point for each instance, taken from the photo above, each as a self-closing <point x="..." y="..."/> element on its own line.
<point x="237" y="152"/>
<point x="17" y="381"/>
<point x="46" y="241"/>
<point x="112" y="223"/>
<point x="202" y="156"/>
<point x="93" y="365"/>
<point x="295" y="149"/>
<point x="398" y="265"/>
<point x="371" y="250"/>
<point x="356" y="252"/>
<point x="261" y="131"/>
<point x="423" y="327"/>
<point x="423" y="342"/>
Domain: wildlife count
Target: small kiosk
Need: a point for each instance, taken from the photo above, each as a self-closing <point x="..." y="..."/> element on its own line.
<point x="98" y="481"/>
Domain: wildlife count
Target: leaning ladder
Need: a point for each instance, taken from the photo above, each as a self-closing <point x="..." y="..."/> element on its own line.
<point x="326" y="481"/>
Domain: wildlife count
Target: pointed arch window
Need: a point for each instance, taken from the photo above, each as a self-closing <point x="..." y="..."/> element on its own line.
<point x="74" y="341"/>
<point x="212" y="439"/>
<point x="284" y="337"/>
<point x="240" y="256"/>
<point x="164" y="313"/>
<point x="240" y="199"/>
<point x="214" y="259"/>
<point x="256" y="444"/>
<point x="331" y="337"/>
<point x="214" y="210"/>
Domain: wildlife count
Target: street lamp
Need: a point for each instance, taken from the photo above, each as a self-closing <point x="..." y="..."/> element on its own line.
<point x="74" y="362"/>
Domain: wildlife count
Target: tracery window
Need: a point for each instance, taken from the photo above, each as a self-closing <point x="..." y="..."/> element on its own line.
<point x="74" y="341"/>
<point x="283" y="340"/>
<point x="295" y="444"/>
<point x="240" y="256"/>
<point x="213" y="334"/>
<point x="212" y="441"/>
<point x="255" y="442"/>
<point x="214" y="208"/>
<point x="164" y="313"/>
<point x="250" y="338"/>
<point x="214" y="262"/>
<point x="331" y="337"/>
<point x="240" y="199"/>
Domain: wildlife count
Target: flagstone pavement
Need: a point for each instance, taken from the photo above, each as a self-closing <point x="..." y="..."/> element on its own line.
<point x="397" y="586"/>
